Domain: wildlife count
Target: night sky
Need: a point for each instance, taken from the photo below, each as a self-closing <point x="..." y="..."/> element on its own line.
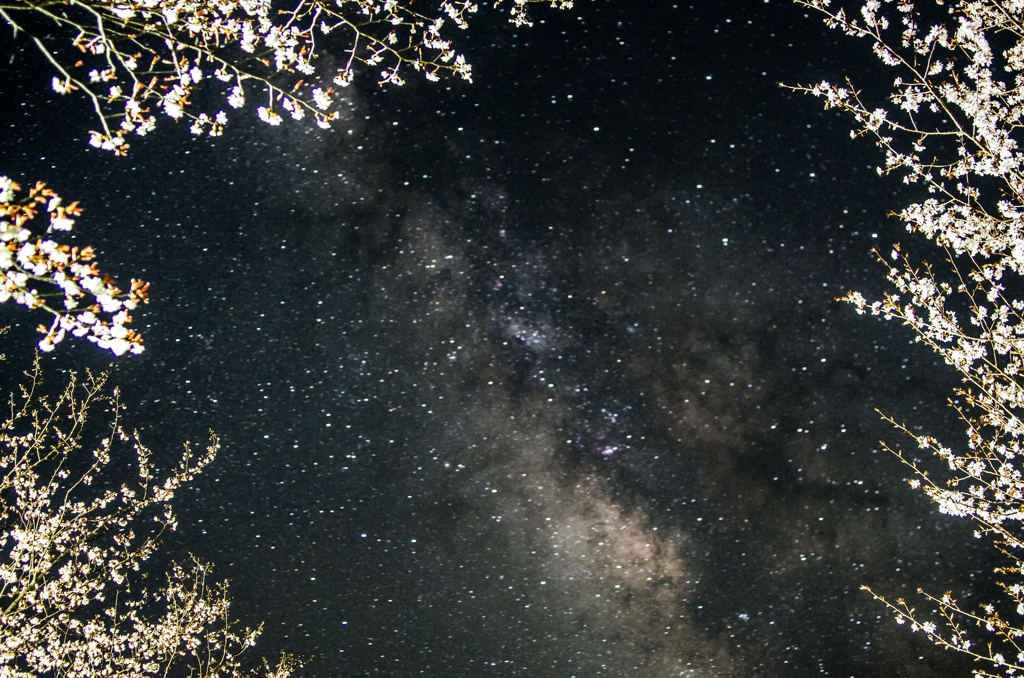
<point x="537" y="376"/>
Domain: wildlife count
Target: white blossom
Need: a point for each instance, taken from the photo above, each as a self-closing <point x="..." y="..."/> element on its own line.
<point x="269" y="117"/>
<point x="321" y="98"/>
<point x="61" y="87"/>
<point x="236" y="99"/>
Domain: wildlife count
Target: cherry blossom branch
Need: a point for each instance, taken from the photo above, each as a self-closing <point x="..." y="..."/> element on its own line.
<point x="151" y="55"/>
<point x="92" y="306"/>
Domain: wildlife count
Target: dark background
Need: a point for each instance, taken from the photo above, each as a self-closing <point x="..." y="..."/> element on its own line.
<point x="537" y="376"/>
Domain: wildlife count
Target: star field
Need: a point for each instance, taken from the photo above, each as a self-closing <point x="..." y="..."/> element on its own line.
<point x="538" y="376"/>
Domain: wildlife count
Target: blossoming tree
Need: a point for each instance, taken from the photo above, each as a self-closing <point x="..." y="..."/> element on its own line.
<point x="71" y="601"/>
<point x="138" y="58"/>
<point x="951" y="125"/>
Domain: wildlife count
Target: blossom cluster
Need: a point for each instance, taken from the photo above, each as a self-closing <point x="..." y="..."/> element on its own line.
<point x="951" y="125"/>
<point x="143" y="57"/>
<point x="83" y="301"/>
<point x="71" y="599"/>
